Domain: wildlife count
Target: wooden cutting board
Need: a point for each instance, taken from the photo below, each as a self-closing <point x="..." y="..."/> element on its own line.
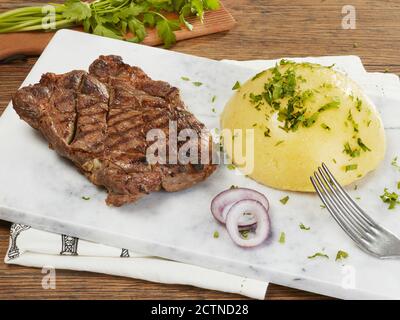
<point x="33" y="43"/>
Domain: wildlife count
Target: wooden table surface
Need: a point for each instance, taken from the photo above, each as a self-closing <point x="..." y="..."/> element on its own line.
<point x="266" y="29"/>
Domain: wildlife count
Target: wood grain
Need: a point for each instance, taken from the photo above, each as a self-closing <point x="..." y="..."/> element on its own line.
<point x="265" y="29"/>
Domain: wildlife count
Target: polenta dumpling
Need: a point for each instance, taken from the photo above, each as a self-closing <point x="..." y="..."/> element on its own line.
<point x="305" y="114"/>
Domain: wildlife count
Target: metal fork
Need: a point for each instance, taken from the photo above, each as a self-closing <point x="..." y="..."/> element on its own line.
<point x="365" y="232"/>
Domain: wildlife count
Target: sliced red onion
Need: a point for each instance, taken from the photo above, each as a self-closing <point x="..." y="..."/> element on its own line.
<point x="222" y="203"/>
<point x="248" y="227"/>
<point x="259" y="212"/>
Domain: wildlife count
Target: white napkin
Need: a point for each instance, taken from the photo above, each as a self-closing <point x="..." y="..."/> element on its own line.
<point x="35" y="248"/>
<point x="31" y="247"/>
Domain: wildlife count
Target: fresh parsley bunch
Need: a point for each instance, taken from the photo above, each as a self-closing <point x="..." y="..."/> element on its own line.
<point x="111" y="18"/>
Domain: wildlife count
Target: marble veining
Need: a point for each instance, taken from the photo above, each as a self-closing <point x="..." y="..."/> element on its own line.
<point x="40" y="189"/>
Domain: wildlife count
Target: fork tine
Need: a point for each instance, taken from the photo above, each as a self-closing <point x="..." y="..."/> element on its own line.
<point x="365" y="232"/>
<point x="335" y="211"/>
<point x="357" y="239"/>
<point x="356" y="209"/>
<point x="357" y="221"/>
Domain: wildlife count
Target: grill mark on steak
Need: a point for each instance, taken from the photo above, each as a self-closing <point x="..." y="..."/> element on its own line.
<point x="71" y="137"/>
<point x="91" y="110"/>
<point x="99" y="120"/>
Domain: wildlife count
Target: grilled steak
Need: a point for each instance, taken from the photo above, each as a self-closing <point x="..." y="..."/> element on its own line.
<point x="99" y="120"/>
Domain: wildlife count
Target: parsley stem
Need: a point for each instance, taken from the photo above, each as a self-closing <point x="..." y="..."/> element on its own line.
<point x="159" y="14"/>
<point x="21" y="12"/>
<point x="35" y="27"/>
<point x="105" y="6"/>
<point x="59" y="24"/>
<point x="20" y="27"/>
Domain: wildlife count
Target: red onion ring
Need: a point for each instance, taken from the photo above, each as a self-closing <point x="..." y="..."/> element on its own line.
<point x="222" y="203"/>
<point x="259" y="212"/>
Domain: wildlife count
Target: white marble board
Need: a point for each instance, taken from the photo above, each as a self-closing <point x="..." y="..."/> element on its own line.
<point x="40" y="189"/>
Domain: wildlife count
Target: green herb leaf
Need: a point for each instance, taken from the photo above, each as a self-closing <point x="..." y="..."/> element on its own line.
<point x="258" y="75"/>
<point x="85" y="198"/>
<point x="102" y="30"/>
<point x="311" y="120"/>
<point x="124" y="27"/>
<point x="183" y="20"/>
<point x="326" y="85"/>
<point x="149" y="19"/>
<point x="392" y="198"/>
<point x="197" y="84"/>
<point x="350" y="167"/>
<point x="326" y="127"/>
<point x="284" y="62"/>
<point x="197" y="6"/>
<point x="331" y="105"/>
<point x="185" y="78"/>
<point x="362" y="145"/>
<point x="351" y="152"/>
<point x="395" y="164"/>
<point x="130" y="12"/>
<point x="165" y="30"/>
<point x="282" y="238"/>
<point x="216" y="234"/>
<point x="236" y="86"/>
<point x="358" y="104"/>
<point x="244" y="234"/>
<point x="284" y="200"/>
<point x="138" y="29"/>
<point x="353" y="122"/>
<point x="318" y="254"/>
<point x="77" y="10"/>
<point x="303" y="227"/>
<point x="211" y="4"/>
<point x="341" y="255"/>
